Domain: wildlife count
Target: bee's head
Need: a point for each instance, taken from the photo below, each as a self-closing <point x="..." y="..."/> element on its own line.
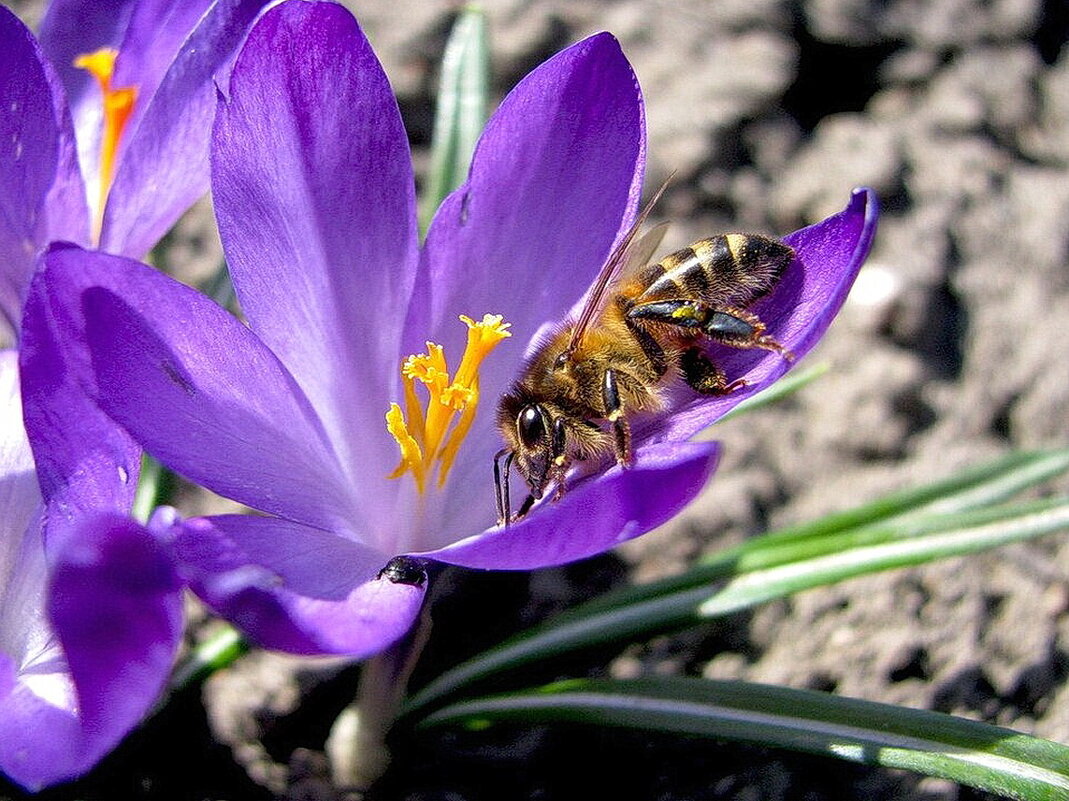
<point x="535" y="451"/>
<point x="527" y="427"/>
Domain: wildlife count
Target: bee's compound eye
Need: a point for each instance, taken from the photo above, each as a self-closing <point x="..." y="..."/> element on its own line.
<point x="530" y="426"/>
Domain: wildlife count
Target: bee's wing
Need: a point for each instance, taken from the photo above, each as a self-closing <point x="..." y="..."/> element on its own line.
<point x="642" y="251"/>
<point x="631" y="254"/>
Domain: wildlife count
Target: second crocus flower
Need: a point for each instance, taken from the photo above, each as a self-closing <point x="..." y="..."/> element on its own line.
<point x="91" y="611"/>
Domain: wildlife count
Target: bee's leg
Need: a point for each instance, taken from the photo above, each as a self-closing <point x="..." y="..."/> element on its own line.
<point x="704" y="376"/>
<point x="614" y="413"/>
<point x="741" y="329"/>
<point x="555" y="472"/>
<point x="650" y="346"/>
<point x="559" y="456"/>
<point x="735" y="327"/>
<point x="689" y="315"/>
<point x="501" y="486"/>
<point x="525" y="507"/>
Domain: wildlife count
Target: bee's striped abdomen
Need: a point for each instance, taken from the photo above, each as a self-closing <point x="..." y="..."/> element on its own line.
<point x="733" y="269"/>
<point x="679" y="274"/>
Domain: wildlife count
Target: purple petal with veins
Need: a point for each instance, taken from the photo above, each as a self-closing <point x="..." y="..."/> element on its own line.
<point x="595" y="516"/>
<point x="555" y="178"/>
<point x="321" y="238"/>
<point x="294" y="588"/>
<point x="163" y="164"/>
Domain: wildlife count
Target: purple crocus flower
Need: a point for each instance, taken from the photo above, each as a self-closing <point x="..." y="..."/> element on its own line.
<point x="314" y="193"/>
<point x="91" y="613"/>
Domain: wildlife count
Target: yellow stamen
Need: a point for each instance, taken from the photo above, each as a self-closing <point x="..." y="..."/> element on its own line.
<point x="457" y="397"/>
<point x="483" y="337"/>
<point x="414" y="411"/>
<point x="430" y="437"/>
<point x="460" y="431"/>
<point x="411" y="454"/>
<point x="118" y="106"/>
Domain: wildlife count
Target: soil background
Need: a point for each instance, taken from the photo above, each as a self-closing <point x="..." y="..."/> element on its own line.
<point x="951" y="351"/>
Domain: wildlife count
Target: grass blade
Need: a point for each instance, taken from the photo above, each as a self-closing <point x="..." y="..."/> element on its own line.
<point x="971" y="488"/>
<point x="785" y="568"/>
<point x="902" y="543"/>
<point x="155" y="487"/>
<point x="785" y="387"/>
<point x="463" y="97"/>
<point x="968" y="752"/>
<point x="218" y="651"/>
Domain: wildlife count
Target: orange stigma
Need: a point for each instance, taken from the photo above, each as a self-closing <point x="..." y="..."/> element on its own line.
<point x="429" y="437"/>
<point x="118" y="106"/>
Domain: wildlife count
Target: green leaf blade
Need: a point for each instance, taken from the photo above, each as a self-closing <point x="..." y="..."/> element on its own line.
<point x="461" y="113"/>
<point x="972" y="488"/>
<point x="907" y="543"/>
<point x="793" y="382"/>
<point x="972" y="753"/>
<point x="808" y="564"/>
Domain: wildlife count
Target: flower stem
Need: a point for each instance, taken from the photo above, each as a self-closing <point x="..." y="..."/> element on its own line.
<point x="220" y="650"/>
<point x="155" y="488"/>
<point x="357" y="742"/>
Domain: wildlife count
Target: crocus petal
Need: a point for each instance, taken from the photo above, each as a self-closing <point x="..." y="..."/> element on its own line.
<point x="164" y="166"/>
<point x="557" y="169"/>
<point x="40" y="743"/>
<point x="39" y="736"/>
<point x="595" y="516"/>
<point x="114" y="601"/>
<point x="293" y="588"/>
<point x="555" y="177"/>
<point x="115" y="610"/>
<point x="92" y="465"/>
<point x="21" y="573"/>
<point x="71" y="28"/>
<point x="314" y="192"/>
<point x="798" y="311"/>
<point x="115" y="607"/>
<point x="150" y="43"/>
<point x="147" y="35"/>
<point x="43" y="196"/>
<point x="193" y="385"/>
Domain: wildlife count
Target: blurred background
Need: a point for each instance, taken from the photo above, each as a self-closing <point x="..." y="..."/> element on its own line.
<point x="952" y="349"/>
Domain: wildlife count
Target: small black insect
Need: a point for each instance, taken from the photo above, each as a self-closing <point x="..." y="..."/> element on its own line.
<point x="405" y="570"/>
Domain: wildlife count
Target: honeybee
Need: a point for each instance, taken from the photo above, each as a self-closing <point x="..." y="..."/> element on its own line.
<point x="641" y="328"/>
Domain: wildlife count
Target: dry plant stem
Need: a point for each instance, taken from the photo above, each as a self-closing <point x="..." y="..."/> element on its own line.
<point x="357" y="742"/>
